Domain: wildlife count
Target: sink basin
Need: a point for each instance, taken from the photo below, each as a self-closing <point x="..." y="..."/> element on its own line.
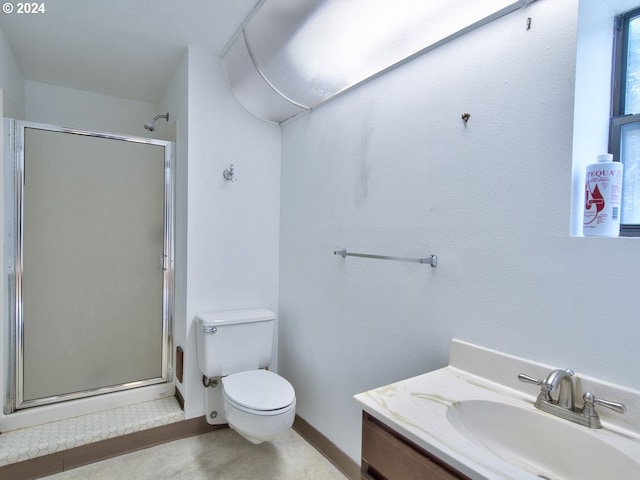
<point x="541" y="444"/>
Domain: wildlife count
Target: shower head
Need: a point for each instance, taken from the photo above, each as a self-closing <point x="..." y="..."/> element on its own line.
<point x="151" y="126"/>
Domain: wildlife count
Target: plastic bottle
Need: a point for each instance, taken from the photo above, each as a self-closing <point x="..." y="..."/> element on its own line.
<point x="602" y="197"/>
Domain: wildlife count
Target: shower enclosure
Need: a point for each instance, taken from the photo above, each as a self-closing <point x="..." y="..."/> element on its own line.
<point x="90" y="264"/>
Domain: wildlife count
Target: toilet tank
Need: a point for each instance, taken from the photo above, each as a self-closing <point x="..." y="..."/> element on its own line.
<point x="233" y="341"/>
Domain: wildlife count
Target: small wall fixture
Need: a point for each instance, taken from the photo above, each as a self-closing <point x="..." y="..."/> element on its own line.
<point x="466" y="117"/>
<point x="229" y="174"/>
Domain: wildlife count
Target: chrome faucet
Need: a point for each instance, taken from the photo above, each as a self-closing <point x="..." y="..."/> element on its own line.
<point x="560" y="383"/>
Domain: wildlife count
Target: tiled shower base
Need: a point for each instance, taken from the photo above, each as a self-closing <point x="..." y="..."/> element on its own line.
<point x="29" y="443"/>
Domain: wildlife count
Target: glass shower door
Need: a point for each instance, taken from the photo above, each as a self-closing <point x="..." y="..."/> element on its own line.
<point x="93" y="276"/>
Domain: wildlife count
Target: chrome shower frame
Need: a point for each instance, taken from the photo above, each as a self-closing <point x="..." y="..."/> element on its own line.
<point x="14" y="149"/>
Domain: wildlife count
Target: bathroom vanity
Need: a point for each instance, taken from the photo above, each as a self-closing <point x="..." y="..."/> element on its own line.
<point x="388" y="455"/>
<point x="474" y="419"/>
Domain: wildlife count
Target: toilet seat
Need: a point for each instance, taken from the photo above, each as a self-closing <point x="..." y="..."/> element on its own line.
<point x="259" y="391"/>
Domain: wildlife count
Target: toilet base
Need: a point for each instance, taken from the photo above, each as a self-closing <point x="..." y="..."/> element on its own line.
<point x="214" y="404"/>
<point x="254" y="440"/>
<point x="259" y="428"/>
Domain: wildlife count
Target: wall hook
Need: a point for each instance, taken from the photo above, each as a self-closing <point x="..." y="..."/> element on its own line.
<point x="229" y="174"/>
<point x="465" y="117"/>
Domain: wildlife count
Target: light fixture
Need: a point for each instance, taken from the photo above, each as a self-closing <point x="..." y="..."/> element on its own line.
<point x="289" y="57"/>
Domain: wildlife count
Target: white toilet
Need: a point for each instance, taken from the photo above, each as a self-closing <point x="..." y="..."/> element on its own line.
<point x="234" y="346"/>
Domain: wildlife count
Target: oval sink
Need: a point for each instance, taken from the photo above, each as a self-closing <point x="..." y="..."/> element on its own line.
<point x="541" y="444"/>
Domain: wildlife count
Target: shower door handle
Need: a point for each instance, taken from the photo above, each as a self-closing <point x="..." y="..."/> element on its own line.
<point x="163" y="262"/>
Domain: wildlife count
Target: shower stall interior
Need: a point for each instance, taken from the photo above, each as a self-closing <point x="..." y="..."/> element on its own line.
<point x="90" y="264"/>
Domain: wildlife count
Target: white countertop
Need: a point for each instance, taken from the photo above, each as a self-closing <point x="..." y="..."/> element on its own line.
<point x="418" y="408"/>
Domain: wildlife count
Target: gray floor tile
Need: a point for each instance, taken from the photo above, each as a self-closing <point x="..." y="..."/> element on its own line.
<point x="219" y="455"/>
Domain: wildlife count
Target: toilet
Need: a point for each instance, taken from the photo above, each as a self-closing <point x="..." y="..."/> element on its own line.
<point x="234" y="347"/>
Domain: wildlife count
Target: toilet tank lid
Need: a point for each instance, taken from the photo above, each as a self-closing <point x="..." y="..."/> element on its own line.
<point x="235" y="316"/>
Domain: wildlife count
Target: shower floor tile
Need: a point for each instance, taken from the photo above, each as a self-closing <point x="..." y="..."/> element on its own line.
<point x="27" y="443"/>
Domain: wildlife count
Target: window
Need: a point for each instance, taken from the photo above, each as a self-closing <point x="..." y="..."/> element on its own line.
<point x="625" y="120"/>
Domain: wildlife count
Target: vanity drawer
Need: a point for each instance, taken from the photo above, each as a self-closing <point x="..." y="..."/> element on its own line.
<point x="387" y="455"/>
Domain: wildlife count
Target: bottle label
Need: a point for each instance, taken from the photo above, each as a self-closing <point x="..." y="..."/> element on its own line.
<point x="603" y="193"/>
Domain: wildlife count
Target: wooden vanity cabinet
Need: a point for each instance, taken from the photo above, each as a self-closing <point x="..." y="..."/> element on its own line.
<point x="387" y="455"/>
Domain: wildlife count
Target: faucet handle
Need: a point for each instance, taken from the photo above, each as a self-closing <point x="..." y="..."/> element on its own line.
<point x="544" y="390"/>
<point x="590" y="401"/>
<point x="523" y="377"/>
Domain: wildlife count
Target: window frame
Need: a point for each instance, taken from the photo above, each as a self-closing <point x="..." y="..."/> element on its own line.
<point x="619" y="117"/>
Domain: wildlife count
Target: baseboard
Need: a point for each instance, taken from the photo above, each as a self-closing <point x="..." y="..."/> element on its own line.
<point x="326" y="447"/>
<point x="179" y="398"/>
<point x="95" y="452"/>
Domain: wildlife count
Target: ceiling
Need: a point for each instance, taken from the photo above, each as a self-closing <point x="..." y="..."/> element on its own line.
<point x="123" y="48"/>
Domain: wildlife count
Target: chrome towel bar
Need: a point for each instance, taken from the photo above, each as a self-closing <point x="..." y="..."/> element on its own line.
<point x="432" y="260"/>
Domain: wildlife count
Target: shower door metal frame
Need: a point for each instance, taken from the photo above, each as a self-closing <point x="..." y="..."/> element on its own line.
<point x="15" y="379"/>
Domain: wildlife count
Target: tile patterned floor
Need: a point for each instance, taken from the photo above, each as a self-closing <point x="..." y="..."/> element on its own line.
<point x="33" y="442"/>
<point x="219" y="455"/>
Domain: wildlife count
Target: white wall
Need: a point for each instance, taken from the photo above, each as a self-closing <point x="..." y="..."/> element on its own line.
<point x="11" y="81"/>
<point x="390" y="168"/>
<point x="70" y="107"/>
<point x="232" y="227"/>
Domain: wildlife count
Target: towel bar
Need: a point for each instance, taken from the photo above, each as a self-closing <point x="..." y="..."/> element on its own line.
<point x="431" y="260"/>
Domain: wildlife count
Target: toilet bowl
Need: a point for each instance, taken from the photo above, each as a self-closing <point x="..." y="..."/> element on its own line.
<point x="258" y="404"/>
